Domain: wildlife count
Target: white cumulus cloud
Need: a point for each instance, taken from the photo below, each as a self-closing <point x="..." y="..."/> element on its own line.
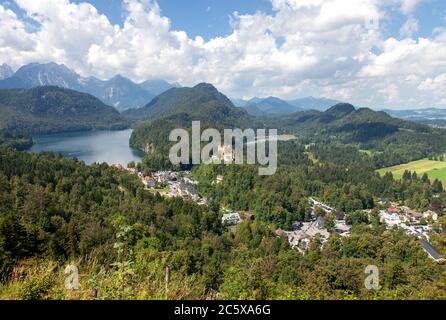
<point x="305" y="47"/>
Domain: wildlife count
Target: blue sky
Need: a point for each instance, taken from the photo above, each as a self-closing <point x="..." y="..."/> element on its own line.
<point x="206" y="18"/>
<point x="246" y="48"/>
<point x="210" y="18"/>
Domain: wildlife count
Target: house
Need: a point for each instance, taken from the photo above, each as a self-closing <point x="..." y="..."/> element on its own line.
<point x="148" y="182"/>
<point x="226" y="153"/>
<point x="320" y="222"/>
<point x="230" y="218"/>
<point x="313" y="228"/>
<point x="430" y="214"/>
<point x="297" y="239"/>
<point x="117" y="166"/>
<point x="189" y="180"/>
<point x="342" y="228"/>
<point x="131" y="170"/>
<point x="340" y="214"/>
<point x="321" y="205"/>
<point x="203" y="201"/>
<point x="415" y="215"/>
<point x="280" y="233"/>
<point x="246" y="216"/>
<point x="393" y="210"/>
<point x="391" y="219"/>
<point x="165" y="176"/>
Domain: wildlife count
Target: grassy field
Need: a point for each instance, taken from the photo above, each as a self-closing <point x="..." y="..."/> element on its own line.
<point x="434" y="169"/>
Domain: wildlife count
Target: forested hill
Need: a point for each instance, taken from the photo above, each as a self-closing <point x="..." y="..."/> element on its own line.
<point x="122" y="237"/>
<point x="348" y="124"/>
<point x="177" y="108"/>
<point x="399" y="140"/>
<point x="52" y="109"/>
<point x="202" y="102"/>
<point x="344" y="117"/>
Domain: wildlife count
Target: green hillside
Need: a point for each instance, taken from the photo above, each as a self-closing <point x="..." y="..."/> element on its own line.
<point x="202" y="102"/>
<point x="391" y="141"/>
<point x="52" y="109"/>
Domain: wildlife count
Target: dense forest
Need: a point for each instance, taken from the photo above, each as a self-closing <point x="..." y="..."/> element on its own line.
<point x="337" y="174"/>
<point x="57" y="211"/>
<point x="18" y="142"/>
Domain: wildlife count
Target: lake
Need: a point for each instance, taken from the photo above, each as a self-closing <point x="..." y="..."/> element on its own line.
<point x="90" y="146"/>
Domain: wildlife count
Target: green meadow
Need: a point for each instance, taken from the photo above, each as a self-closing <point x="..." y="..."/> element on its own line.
<point x="434" y="169"/>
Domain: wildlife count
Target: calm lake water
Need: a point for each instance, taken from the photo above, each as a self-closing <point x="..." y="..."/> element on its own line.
<point x="90" y="146"/>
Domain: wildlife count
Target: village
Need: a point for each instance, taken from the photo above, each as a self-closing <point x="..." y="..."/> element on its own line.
<point x="173" y="184"/>
<point x="299" y="238"/>
<point x="414" y="223"/>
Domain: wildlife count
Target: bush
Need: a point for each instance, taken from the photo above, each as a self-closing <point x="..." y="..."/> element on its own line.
<point x="36" y="288"/>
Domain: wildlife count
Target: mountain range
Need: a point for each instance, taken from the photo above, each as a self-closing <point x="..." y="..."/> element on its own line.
<point x="431" y="116"/>
<point x="123" y="94"/>
<point x="48" y="109"/>
<point x="269" y="106"/>
<point x="120" y="92"/>
<point x="365" y="128"/>
<point x="275" y="106"/>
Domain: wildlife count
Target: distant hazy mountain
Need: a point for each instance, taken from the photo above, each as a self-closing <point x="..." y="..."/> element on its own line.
<point x="50" y="109"/>
<point x="275" y="106"/>
<point x="269" y="106"/>
<point x="118" y="91"/>
<point x="311" y="103"/>
<point x="49" y="74"/>
<point x="432" y="116"/>
<point x="5" y="71"/>
<point x="238" y="102"/>
<point x="157" y="87"/>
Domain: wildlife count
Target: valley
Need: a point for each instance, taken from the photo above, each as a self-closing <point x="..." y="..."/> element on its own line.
<point x="113" y="200"/>
<point x="215" y="159"/>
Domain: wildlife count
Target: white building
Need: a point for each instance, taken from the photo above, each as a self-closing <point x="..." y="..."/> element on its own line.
<point x="391" y="219"/>
<point x="230" y="218"/>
